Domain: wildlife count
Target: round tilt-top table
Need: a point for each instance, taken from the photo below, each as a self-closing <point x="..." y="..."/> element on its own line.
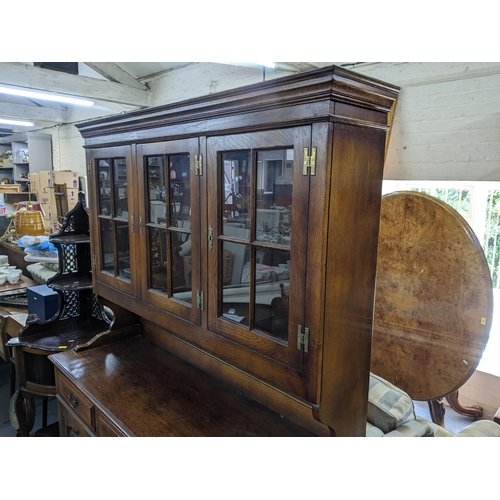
<point x="433" y="302"/>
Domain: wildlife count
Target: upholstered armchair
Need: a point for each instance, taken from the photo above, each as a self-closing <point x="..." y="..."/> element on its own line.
<point x="391" y="413"/>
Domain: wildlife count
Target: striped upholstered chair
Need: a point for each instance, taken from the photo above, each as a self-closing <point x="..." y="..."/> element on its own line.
<point x="391" y="413"/>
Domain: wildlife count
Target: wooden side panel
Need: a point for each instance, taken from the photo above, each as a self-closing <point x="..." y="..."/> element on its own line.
<point x="356" y="182"/>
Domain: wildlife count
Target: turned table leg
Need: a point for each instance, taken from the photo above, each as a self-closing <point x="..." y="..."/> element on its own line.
<point x="25" y="414"/>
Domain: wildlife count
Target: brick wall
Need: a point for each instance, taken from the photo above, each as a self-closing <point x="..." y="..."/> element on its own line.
<point x="447" y="122"/>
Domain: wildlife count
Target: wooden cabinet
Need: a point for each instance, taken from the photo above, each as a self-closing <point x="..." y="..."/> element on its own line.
<point x="134" y="388"/>
<point x="245" y="234"/>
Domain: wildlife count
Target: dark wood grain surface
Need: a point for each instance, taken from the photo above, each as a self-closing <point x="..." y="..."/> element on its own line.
<point x="434" y="298"/>
<point x="343" y="117"/>
<point x="150" y="392"/>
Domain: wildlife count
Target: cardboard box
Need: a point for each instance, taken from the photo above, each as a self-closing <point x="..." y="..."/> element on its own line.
<point x="35" y="183"/>
<point x="47" y="196"/>
<point x="227" y="267"/>
<point x="71" y="198"/>
<point x="71" y="179"/>
<point x="50" y="212"/>
<point x="52" y="226"/>
<point x="45" y="177"/>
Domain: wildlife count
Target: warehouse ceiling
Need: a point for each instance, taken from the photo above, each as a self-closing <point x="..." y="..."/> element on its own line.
<point x="108" y="84"/>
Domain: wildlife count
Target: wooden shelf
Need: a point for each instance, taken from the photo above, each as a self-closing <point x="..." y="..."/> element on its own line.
<point x="83" y="283"/>
<point x="71" y="240"/>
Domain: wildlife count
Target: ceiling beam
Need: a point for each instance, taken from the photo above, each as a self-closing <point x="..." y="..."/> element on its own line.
<point x="34" y="78"/>
<point x="296" y="66"/>
<point x="114" y="73"/>
<point x="37" y="113"/>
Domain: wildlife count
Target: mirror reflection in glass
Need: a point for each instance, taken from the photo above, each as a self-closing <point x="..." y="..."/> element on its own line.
<point x="274" y="196"/>
<point x="272" y="279"/>
<point x="123" y="249"/>
<point x="236" y="298"/>
<point x="158" y="259"/>
<point x="236" y="174"/>
<point x="107" y="256"/>
<point x="181" y="266"/>
<point x="120" y="188"/>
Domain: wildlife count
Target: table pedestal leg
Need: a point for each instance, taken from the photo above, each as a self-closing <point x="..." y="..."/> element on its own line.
<point x="436" y="408"/>
<point x="472" y="411"/>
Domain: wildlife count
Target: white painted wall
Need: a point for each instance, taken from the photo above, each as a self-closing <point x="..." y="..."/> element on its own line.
<point x="446" y="126"/>
<point x="203" y="79"/>
<point x="447" y="122"/>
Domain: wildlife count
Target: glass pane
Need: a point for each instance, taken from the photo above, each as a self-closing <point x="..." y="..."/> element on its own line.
<point x="107" y="256"/>
<point x="104" y="187"/>
<point x="182" y="267"/>
<point x="120" y="188"/>
<point x="156" y="189"/>
<point x="236" y="292"/>
<point x="158" y="259"/>
<point x="236" y="197"/>
<point x="180" y="193"/>
<point x="272" y="278"/>
<point x="274" y="196"/>
<point x="123" y="249"/>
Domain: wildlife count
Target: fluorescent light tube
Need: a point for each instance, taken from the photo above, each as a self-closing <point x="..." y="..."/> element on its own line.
<point x="46" y="97"/>
<point x="16" y="122"/>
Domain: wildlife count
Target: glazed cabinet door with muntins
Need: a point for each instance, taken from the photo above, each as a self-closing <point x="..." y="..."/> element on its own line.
<point x="111" y="197"/>
<point x="169" y="226"/>
<point x="257" y="233"/>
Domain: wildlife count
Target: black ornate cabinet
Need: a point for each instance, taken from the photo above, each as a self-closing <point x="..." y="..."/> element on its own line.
<point x="242" y="227"/>
<point x="79" y="318"/>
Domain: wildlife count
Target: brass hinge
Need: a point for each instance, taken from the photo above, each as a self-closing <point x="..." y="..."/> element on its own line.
<point x="94" y="259"/>
<point x="89" y="168"/>
<point x="303" y="338"/>
<point x="199" y="299"/>
<point x="132" y="223"/>
<point x="309" y="161"/>
<point x="198" y="164"/>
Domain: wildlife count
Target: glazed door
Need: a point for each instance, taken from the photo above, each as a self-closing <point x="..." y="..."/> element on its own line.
<point x="110" y="179"/>
<point x="257" y="223"/>
<point x="169" y="226"/>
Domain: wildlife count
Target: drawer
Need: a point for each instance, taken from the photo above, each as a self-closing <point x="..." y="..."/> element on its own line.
<point x="69" y="424"/>
<point x="106" y="428"/>
<point x="76" y="400"/>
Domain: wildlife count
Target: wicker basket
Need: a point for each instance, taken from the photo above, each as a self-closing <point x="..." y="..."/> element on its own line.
<point x="29" y="222"/>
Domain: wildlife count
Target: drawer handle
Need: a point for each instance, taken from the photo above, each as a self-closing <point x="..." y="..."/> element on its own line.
<point x="73" y="402"/>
